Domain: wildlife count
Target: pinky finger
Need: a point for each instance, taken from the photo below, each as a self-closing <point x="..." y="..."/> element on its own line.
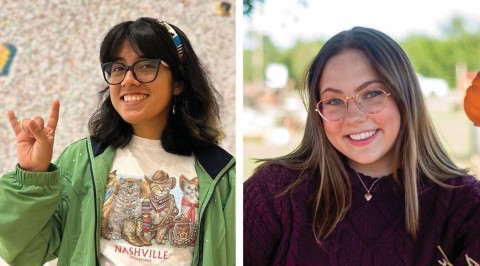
<point x="14" y="122"/>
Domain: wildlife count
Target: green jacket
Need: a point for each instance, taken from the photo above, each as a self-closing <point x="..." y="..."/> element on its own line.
<point x="58" y="213"/>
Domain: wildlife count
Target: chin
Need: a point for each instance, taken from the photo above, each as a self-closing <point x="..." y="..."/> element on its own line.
<point x="130" y="119"/>
<point x="365" y="160"/>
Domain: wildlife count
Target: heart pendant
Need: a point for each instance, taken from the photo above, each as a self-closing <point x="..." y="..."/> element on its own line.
<point x="368" y="196"/>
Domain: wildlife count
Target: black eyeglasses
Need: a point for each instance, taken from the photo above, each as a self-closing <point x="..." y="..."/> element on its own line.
<point x="145" y="71"/>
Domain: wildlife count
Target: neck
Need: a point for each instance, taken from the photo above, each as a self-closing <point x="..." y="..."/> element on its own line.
<point x="368" y="170"/>
<point x="149" y="131"/>
<point x="379" y="168"/>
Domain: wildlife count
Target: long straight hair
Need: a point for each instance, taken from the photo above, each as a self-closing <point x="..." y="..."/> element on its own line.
<point x="418" y="151"/>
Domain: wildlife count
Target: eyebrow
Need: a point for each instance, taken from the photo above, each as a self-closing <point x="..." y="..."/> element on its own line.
<point x="121" y="59"/>
<point x="361" y="87"/>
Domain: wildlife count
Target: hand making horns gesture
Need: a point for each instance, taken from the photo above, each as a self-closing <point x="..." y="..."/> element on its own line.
<point x="34" y="141"/>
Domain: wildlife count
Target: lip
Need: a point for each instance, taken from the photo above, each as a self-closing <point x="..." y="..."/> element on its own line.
<point x="362" y="138"/>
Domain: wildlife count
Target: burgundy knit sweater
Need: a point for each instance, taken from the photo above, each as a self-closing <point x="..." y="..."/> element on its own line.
<point x="278" y="230"/>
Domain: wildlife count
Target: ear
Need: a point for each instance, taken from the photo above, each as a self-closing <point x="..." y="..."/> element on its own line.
<point x="177" y="87"/>
<point x="194" y="181"/>
<point x="147" y="179"/>
<point x="144" y="188"/>
<point x="182" y="182"/>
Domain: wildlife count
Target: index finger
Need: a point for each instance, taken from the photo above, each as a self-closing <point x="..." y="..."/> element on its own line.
<point x="54" y="114"/>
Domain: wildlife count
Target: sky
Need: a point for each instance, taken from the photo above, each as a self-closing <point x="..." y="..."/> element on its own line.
<point x="285" y="21"/>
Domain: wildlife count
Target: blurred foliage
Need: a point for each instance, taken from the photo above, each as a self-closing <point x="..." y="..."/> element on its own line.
<point x="431" y="57"/>
<point x="297" y="58"/>
<point x="301" y="56"/>
<point x="438" y="57"/>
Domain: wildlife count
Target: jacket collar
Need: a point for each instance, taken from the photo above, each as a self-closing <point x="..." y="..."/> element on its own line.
<point x="213" y="159"/>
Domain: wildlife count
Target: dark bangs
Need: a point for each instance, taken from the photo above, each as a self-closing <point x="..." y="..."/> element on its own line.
<point x="148" y="38"/>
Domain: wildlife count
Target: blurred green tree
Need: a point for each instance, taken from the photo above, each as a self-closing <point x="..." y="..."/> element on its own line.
<point x="437" y="57"/>
<point x="301" y="56"/>
<point x="431" y="57"/>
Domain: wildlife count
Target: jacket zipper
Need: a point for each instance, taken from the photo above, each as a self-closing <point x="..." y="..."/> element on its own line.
<point x="95" y="205"/>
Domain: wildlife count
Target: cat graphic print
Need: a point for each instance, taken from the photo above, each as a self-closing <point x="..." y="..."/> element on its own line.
<point x="145" y="212"/>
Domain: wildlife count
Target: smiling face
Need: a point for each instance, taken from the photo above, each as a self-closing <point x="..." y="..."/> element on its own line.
<point x="367" y="140"/>
<point x="145" y="106"/>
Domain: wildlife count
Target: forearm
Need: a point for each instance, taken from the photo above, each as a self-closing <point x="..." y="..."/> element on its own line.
<point x="27" y="204"/>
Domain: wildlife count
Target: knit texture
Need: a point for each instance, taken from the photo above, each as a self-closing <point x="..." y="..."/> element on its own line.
<point x="278" y="230"/>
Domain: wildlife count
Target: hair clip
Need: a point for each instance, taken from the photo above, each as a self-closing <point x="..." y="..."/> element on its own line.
<point x="175" y="38"/>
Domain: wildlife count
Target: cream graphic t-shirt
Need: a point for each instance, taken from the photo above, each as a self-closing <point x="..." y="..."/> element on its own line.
<point x="150" y="212"/>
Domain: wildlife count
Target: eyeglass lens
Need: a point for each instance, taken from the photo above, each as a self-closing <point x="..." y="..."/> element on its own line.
<point x="369" y="101"/>
<point x="144" y="71"/>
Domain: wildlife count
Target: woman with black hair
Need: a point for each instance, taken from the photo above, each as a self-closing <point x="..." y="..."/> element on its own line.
<point x="150" y="186"/>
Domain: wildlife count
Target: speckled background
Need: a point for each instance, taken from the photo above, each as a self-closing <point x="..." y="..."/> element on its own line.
<point x="57" y="56"/>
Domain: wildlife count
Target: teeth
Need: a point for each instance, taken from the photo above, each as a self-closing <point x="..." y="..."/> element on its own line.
<point x="362" y="135"/>
<point x="134" y="98"/>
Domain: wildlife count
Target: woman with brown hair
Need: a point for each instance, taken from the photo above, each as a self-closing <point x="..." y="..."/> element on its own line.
<point x="370" y="183"/>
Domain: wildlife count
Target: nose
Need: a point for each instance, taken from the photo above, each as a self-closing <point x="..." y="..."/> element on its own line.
<point x="354" y="113"/>
<point x="129" y="79"/>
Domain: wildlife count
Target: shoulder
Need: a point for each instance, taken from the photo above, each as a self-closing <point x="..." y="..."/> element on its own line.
<point x="462" y="186"/>
<point x="82" y="149"/>
<point x="82" y="144"/>
<point x="275" y="173"/>
<point x="212" y="152"/>
<point x="75" y="148"/>
<point x="461" y="194"/>
<point x="271" y="179"/>
<point x="466" y="189"/>
<point x="214" y="159"/>
<point x="464" y="181"/>
<point x="457" y="184"/>
<point x="262" y="196"/>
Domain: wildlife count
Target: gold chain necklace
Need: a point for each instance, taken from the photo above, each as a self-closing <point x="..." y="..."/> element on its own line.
<point x="368" y="196"/>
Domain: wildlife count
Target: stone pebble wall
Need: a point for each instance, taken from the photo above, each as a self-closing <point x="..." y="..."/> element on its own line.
<point x="57" y="44"/>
